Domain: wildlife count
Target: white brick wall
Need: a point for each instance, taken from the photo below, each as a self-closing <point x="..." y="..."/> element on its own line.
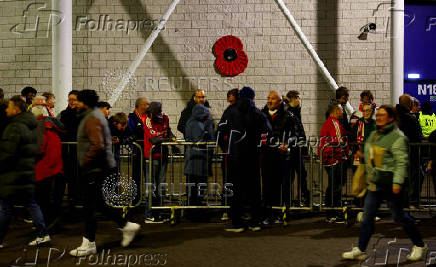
<point x="183" y="52"/>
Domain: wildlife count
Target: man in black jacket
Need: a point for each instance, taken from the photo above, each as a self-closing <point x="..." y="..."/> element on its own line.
<point x="246" y="127"/>
<point x="69" y="118"/>
<point x="298" y="166"/>
<point x="409" y="125"/>
<point x="276" y="159"/>
<point x="18" y="150"/>
<point x="199" y="97"/>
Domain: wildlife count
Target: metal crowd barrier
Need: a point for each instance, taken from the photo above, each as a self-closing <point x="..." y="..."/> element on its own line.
<point x="130" y="165"/>
<point x="126" y="181"/>
<point x="420" y="196"/>
<point x="174" y="175"/>
<point x="176" y="196"/>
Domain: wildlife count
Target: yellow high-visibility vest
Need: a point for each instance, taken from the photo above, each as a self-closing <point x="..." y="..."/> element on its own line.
<point x="428" y="123"/>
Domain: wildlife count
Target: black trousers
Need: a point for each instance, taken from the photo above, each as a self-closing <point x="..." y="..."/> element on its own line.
<point x="94" y="199"/>
<point x="48" y="195"/>
<point x="337" y="178"/>
<point x="196" y="197"/>
<point x="297" y="167"/>
<point x="272" y="178"/>
<point x="245" y="207"/>
<point x="70" y="177"/>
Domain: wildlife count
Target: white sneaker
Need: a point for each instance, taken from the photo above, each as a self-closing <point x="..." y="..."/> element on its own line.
<point x="129" y="232"/>
<point x="40" y="241"/>
<point x="418" y="253"/>
<point x="1" y="246"/>
<point x="85" y="249"/>
<point x="354" y="254"/>
<point x="153" y="220"/>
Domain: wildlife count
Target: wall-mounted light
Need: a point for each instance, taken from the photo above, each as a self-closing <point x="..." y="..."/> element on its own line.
<point x="413" y="76"/>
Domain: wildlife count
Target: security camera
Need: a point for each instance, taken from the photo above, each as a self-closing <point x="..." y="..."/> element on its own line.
<point x="365" y="29"/>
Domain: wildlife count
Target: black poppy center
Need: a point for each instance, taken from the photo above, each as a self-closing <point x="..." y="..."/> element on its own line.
<point x="230" y="54"/>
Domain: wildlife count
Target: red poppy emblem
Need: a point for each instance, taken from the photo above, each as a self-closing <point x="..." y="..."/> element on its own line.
<point x="230" y="56"/>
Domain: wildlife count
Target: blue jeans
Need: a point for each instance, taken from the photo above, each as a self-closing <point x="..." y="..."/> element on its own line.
<point x="373" y="200"/>
<point x="159" y="170"/>
<point x="7" y="210"/>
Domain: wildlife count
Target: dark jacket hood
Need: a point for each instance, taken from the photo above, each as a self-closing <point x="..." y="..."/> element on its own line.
<point x="200" y="112"/>
<point x="26" y="118"/>
<point x="245" y="104"/>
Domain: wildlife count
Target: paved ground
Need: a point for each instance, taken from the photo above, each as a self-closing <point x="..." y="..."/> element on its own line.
<point x="306" y="241"/>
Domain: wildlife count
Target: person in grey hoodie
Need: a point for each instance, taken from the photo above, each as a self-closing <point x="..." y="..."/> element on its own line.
<point x="94" y="154"/>
<point x="199" y="128"/>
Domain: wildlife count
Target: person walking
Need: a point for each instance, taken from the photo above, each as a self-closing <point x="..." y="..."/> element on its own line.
<point x="94" y="153"/>
<point x="386" y="164"/>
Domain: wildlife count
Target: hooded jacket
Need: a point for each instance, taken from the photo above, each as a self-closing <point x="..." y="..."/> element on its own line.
<point x="386" y="157"/>
<point x="245" y="127"/>
<point x="199" y="128"/>
<point x="17" y="158"/>
<point x="49" y="160"/>
<point x="186" y="114"/>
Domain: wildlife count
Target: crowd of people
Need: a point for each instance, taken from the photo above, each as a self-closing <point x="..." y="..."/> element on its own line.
<point x="264" y="149"/>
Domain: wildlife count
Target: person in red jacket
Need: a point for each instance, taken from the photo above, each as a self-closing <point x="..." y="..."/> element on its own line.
<point x="156" y="130"/>
<point x="49" y="163"/>
<point x="333" y="150"/>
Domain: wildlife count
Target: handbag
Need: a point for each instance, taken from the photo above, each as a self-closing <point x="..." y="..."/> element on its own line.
<point x="359" y="186"/>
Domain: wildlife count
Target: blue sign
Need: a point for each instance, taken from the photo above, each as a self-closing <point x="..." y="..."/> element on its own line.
<point x="420" y="51"/>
